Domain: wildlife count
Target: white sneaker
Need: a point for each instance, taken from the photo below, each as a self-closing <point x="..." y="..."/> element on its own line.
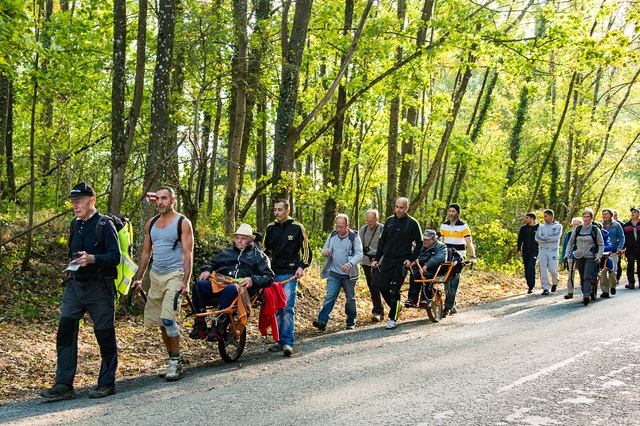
<point x="391" y="325"/>
<point x="174" y="371"/>
<point x="288" y="350"/>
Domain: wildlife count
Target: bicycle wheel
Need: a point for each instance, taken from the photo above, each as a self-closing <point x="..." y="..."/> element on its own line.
<point x="231" y="347"/>
<point x="435" y="306"/>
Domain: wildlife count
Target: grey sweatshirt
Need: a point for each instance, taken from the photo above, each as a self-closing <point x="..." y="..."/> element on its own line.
<point x="548" y="236"/>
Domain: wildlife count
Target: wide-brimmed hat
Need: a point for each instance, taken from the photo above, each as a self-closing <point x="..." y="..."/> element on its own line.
<point x="245" y="230"/>
<point x="82" y="189"/>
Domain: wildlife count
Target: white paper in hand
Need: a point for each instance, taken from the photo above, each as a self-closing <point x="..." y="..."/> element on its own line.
<point x="73" y="266"/>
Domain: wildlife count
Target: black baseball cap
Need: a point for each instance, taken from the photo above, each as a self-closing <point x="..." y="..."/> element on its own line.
<point x="81" y="190"/>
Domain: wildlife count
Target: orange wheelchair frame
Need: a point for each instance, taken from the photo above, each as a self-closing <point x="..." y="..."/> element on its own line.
<point x="435" y="293"/>
<point x="234" y="336"/>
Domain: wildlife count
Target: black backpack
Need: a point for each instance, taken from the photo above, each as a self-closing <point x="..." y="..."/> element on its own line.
<point x="455" y="257"/>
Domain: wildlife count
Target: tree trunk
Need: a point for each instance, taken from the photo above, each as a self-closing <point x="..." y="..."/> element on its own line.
<point x="47" y="114"/>
<point x="285" y="135"/>
<point x="119" y="156"/>
<point x="516" y="134"/>
<point x="552" y="147"/>
<point x="394" y="122"/>
<point x="119" y="166"/>
<point x="238" y="84"/>
<point x="335" y="155"/>
<point x="160" y="102"/>
<point x="214" y="149"/>
<point x="457" y="101"/>
<point x="261" y="164"/>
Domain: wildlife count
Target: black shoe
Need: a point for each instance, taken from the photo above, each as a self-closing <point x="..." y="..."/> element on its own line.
<point x="410" y="304"/>
<point x="320" y="326"/>
<point x="102" y="391"/>
<point x="554" y="288"/>
<point x="545" y="292"/>
<point x="57" y="392"/>
<point x="586" y="300"/>
<point x="200" y="329"/>
<point x="453" y="311"/>
<point x="530" y="291"/>
<point x="613" y="290"/>
<point x="445" y="312"/>
<point x="568" y="296"/>
<point x="630" y="286"/>
<point x="605" y="295"/>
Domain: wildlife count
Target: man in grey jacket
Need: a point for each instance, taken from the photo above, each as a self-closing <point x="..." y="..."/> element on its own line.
<point x="548" y="237"/>
<point x="342" y="252"/>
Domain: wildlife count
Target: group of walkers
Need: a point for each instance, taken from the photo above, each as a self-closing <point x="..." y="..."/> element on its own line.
<point x="387" y="251"/>
<point x="595" y="249"/>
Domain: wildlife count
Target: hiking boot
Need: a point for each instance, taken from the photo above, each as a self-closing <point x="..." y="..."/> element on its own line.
<point x="424" y="304"/>
<point x="554" y="288"/>
<point x="320" y="326"/>
<point x="604" y="295"/>
<point x="287" y="350"/>
<point x="276" y="347"/>
<point x="102" y="391"/>
<point x="213" y="335"/>
<point x="174" y="370"/>
<point x="199" y="329"/>
<point x="391" y="325"/>
<point x="630" y="286"/>
<point x="58" y="392"/>
<point x="409" y="304"/>
<point x="568" y="296"/>
<point x="613" y="290"/>
<point x="586" y="300"/>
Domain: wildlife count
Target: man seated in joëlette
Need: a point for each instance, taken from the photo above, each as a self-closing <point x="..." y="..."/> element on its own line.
<point x="243" y="262"/>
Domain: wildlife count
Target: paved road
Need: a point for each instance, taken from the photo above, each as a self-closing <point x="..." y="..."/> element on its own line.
<point x="527" y="360"/>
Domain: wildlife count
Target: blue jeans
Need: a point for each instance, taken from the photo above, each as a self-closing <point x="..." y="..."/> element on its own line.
<point x="334" y="284"/>
<point x="285" y="316"/>
<point x="451" y="289"/>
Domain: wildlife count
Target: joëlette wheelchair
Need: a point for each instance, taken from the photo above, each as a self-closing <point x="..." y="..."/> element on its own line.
<point x="234" y="333"/>
<point x="434" y="289"/>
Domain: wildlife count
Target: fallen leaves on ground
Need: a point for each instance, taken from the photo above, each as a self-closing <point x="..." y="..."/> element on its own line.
<point x="28" y="350"/>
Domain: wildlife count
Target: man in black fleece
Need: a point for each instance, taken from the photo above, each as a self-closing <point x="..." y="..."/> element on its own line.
<point x="399" y="246"/>
<point x="528" y="249"/>
<point x="287" y="245"/>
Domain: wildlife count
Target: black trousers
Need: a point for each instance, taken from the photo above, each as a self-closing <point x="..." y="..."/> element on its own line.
<point x="374" y="290"/>
<point x="97" y="298"/>
<point x="392" y="274"/>
<point x="529" y="259"/>
<point x="633" y="266"/>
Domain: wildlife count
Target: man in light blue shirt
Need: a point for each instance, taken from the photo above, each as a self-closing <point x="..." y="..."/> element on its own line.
<point x="342" y="253"/>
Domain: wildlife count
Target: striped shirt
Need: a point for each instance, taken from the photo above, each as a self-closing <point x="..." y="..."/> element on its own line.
<point x="454" y="235"/>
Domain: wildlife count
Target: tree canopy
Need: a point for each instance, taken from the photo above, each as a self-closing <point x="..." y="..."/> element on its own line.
<point x="501" y="106"/>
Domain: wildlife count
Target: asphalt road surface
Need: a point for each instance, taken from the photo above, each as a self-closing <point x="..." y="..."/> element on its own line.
<point x="526" y="360"/>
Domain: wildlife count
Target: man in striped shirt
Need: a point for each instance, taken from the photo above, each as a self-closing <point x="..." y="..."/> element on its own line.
<point x="456" y="234"/>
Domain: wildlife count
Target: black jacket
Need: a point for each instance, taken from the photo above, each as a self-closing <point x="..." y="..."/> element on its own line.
<point x="83" y="237"/>
<point x="250" y="262"/>
<point x="284" y="243"/>
<point x="401" y="239"/>
<point x="527" y="238"/>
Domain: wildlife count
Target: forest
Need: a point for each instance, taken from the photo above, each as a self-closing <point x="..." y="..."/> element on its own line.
<point x="504" y="107"/>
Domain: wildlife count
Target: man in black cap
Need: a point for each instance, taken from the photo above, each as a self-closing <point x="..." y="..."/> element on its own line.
<point x="456" y="234"/>
<point x="94" y="251"/>
<point x="632" y="247"/>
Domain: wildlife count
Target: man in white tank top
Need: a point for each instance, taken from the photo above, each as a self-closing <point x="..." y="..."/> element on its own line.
<point x="170" y="237"/>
